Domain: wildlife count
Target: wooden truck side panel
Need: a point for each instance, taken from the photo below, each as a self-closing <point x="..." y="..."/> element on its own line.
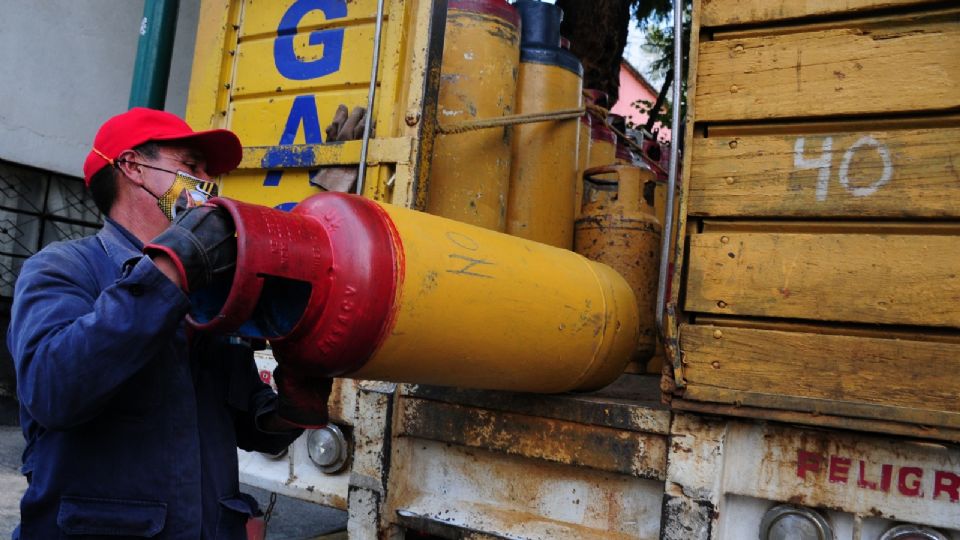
<point x="822" y="242"/>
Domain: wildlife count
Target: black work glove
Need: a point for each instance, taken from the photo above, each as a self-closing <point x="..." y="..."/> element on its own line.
<point x="202" y="243"/>
<point x="302" y="398"/>
<point x="346" y="127"/>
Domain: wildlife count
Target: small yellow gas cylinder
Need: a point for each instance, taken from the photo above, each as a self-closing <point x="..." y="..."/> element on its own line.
<point x="470" y="171"/>
<point x="544" y="160"/>
<point x="617" y="227"/>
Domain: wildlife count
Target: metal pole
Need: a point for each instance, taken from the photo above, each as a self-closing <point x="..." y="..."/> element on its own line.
<point x="674" y="165"/>
<point x="154" y="51"/>
<point x="368" y="118"/>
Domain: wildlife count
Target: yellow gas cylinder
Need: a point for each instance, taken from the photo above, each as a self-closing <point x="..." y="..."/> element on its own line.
<point x="470" y="171"/>
<point x="351" y="287"/>
<point x="617" y="226"/>
<point x="590" y="97"/>
<point x="544" y="160"/>
<point x="583" y="157"/>
<point x="603" y="141"/>
<point x="603" y="144"/>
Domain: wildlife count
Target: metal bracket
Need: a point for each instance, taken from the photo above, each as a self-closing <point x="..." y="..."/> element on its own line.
<point x="670" y="335"/>
<point x="371" y="93"/>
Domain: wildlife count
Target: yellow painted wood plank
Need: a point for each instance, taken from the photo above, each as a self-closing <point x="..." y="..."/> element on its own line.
<point x="273" y="17"/>
<point x="857" y="67"/>
<point x="871" y="173"/>
<point x="212" y="63"/>
<point x="826" y="371"/>
<point x="247" y="185"/>
<point x="389" y="113"/>
<point x="863" y="278"/>
<point x="257" y="72"/>
<point x="342" y="153"/>
<point x="263" y="121"/>
<point x="732" y="12"/>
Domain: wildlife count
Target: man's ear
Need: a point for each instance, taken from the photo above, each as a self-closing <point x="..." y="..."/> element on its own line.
<point x="125" y="162"/>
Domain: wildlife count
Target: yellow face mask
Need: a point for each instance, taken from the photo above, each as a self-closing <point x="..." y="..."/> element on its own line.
<point x="185" y="192"/>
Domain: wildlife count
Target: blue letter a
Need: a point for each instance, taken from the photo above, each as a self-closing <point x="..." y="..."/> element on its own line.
<point x="303" y="111"/>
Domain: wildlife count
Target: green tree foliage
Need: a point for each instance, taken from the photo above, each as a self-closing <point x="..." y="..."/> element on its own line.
<point x="598" y="29"/>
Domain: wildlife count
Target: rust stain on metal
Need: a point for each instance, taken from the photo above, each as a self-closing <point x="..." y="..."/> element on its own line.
<point x="637" y="454"/>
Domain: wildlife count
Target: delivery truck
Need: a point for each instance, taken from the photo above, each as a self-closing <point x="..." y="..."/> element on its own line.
<point x="803" y="381"/>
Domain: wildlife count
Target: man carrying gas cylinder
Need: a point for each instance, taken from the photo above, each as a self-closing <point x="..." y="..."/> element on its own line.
<point x="132" y="420"/>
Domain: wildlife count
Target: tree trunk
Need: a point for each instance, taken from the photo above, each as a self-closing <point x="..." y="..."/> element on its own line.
<point x="597" y="30"/>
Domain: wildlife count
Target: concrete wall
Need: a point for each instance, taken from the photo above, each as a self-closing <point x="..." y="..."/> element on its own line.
<point x="67" y="66"/>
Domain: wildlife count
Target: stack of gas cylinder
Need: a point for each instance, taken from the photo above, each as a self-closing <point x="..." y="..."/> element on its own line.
<point x="489" y="295"/>
<point x="564" y="183"/>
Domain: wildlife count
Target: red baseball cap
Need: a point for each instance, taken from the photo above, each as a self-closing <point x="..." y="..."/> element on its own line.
<point x="220" y="147"/>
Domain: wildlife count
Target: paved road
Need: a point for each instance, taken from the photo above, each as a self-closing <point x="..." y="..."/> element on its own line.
<point x="292" y="519"/>
<point x="12" y="483"/>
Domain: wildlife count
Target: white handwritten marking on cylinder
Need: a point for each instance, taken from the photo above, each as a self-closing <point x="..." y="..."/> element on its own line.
<point x="885" y="175"/>
<point x="821" y="163"/>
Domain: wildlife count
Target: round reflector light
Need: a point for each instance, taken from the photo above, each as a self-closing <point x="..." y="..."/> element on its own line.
<point x="788" y="522"/>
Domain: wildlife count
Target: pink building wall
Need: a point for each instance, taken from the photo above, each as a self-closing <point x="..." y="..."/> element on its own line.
<point x="634" y="87"/>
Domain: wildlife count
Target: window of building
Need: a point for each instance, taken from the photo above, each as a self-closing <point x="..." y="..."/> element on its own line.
<point x="37" y="207"/>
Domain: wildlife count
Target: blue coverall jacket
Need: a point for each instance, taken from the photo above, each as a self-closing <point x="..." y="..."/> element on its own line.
<point x="131" y="426"/>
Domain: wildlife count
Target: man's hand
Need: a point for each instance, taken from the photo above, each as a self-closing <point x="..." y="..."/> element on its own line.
<point x="343" y="128"/>
<point x="200" y="243"/>
<point x="302" y="399"/>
